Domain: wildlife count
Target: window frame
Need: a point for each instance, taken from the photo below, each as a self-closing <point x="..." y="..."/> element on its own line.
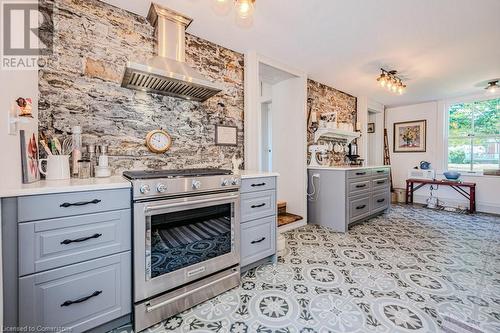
<point x="447" y="105"/>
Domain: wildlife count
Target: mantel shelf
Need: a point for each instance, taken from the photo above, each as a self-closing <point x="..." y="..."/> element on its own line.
<point x="336" y="133"/>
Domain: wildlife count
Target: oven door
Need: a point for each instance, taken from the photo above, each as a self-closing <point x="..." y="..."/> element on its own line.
<point x="181" y="240"/>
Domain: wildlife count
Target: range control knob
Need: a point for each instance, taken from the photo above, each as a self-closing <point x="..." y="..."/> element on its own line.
<point x="196" y="184"/>
<point x="144" y="189"/>
<point x="225" y="182"/>
<point x="235" y="181"/>
<point x="161" y="188"/>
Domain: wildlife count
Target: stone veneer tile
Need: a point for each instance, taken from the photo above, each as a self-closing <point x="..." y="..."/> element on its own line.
<point x="81" y="86"/>
<point x="322" y="99"/>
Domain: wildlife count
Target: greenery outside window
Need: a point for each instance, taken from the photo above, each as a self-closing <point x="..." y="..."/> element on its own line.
<point x="474" y="136"/>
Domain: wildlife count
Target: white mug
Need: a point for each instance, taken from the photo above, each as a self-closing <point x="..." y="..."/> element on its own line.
<point x="57" y="167"/>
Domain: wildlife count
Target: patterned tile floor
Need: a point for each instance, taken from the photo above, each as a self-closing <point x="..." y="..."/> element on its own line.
<point x="399" y="272"/>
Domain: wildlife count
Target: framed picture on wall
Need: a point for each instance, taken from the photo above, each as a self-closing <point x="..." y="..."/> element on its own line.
<point x="410" y="136"/>
<point x="226" y="135"/>
<point x="371" y="128"/>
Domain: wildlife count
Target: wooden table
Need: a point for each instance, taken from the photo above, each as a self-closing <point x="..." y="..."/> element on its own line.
<point x="457" y="186"/>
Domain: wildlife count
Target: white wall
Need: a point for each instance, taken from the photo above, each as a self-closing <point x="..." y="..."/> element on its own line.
<point x="487" y="190"/>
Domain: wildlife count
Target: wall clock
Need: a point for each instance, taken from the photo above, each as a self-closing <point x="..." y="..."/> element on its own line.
<point x="158" y="141"/>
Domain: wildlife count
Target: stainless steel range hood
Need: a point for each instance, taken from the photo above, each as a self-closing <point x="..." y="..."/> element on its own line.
<point x="167" y="73"/>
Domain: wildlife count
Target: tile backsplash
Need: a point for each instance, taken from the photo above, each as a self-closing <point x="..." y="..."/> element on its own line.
<point x="80" y="85"/>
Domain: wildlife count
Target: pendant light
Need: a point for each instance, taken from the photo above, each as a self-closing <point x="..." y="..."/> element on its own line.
<point x="492" y="87"/>
<point x="245" y="8"/>
<point x="221" y="7"/>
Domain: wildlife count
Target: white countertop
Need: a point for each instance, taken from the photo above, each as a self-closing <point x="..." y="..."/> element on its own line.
<point x="69" y="185"/>
<point x="248" y="174"/>
<point x="347" y="168"/>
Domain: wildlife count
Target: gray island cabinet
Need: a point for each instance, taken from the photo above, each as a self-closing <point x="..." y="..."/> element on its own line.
<point x="341" y="197"/>
<point x="67" y="260"/>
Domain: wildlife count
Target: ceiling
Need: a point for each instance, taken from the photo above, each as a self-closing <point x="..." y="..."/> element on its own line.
<point x="442" y="48"/>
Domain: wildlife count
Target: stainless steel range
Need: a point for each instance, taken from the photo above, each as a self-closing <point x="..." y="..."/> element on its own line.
<point x="186" y="239"/>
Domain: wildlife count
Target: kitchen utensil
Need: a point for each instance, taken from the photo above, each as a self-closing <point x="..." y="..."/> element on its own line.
<point x="57" y="167"/>
<point x="452" y="175"/>
<point x="337" y="148"/>
<point x="45" y="146"/>
<point x="57" y="145"/>
<point x="67" y="146"/>
<point x="346" y="148"/>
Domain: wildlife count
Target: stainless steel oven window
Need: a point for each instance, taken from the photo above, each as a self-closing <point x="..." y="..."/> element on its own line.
<point x="179" y="239"/>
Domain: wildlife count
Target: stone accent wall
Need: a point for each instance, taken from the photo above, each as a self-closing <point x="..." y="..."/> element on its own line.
<point x="80" y="85"/>
<point x="323" y="99"/>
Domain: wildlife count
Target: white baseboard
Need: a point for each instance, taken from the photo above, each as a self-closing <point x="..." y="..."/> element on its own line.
<point x="291" y="226"/>
<point x="484" y="207"/>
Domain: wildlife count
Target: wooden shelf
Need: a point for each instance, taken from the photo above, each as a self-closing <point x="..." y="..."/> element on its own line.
<point x="335" y="133"/>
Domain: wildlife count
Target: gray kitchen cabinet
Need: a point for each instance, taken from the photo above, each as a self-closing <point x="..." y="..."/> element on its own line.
<point x="258" y="220"/>
<point x="78" y="297"/>
<point x="345" y="196"/>
<point x="67" y="259"/>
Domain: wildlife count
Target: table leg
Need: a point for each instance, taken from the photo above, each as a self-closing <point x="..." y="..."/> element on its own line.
<point x="472" y="200"/>
<point x="407" y="193"/>
<point x="411" y="192"/>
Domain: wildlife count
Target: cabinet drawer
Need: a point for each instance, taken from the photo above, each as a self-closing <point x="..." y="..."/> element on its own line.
<point x="380" y="172"/>
<point x="359" y="186"/>
<point x="77" y="297"/>
<point x="379" y="183"/>
<point x="48" y="244"/>
<point x="258" y="184"/>
<point x="258" y="240"/>
<point x="359" y="206"/>
<point x="380" y="200"/>
<point x="257" y="205"/>
<point x="49" y="206"/>
<point x="359" y="173"/>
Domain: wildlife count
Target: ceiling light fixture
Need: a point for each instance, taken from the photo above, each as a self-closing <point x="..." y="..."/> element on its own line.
<point x="244" y="8"/>
<point x="492" y="87"/>
<point x="393" y="83"/>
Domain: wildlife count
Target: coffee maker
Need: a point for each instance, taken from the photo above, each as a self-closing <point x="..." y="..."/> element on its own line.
<point x="353" y="156"/>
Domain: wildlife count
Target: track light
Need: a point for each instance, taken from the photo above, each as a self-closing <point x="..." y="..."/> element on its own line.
<point x="492" y="87"/>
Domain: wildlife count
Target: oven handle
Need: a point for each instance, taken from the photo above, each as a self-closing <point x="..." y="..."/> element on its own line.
<point x="184" y="203"/>
<point x="150" y="308"/>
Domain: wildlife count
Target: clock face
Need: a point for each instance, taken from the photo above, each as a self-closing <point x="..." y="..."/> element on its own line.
<point x="158" y="141"/>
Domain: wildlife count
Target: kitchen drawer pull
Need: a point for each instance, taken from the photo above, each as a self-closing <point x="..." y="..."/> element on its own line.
<point x="361" y="207"/>
<point x="361" y="185"/>
<point x="78" y="240"/>
<point x="380" y="171"/>
<point x="259" y="184"/>
<point x="360" y="173"/>
<point x="258" y="241"/>
<point x="83" y="299"/>
<point x="257" y="206"/>
<point x="380" y="200"/>
<point x="381" y="182"/>
<point x="82" y="203"/>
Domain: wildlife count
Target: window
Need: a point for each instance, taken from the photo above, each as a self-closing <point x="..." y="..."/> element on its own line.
<point x="474" y="135"/>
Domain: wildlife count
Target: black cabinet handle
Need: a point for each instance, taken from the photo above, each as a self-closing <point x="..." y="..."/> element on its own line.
<point x="360" y="173"/>
<point x="260" y="184"/>
<point x="78" y="240"/>
<point x="380" y="171"/>
<point x="82" y="203"/>
<point x="258" y="241"/>
<point x="380" y="200"/>
<point x="381" y="182"/>
<point x="83" y="299"/>
<point x="257" y="206"/>
<point x="360" y="186"/>
<point x="361" y="207"/>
